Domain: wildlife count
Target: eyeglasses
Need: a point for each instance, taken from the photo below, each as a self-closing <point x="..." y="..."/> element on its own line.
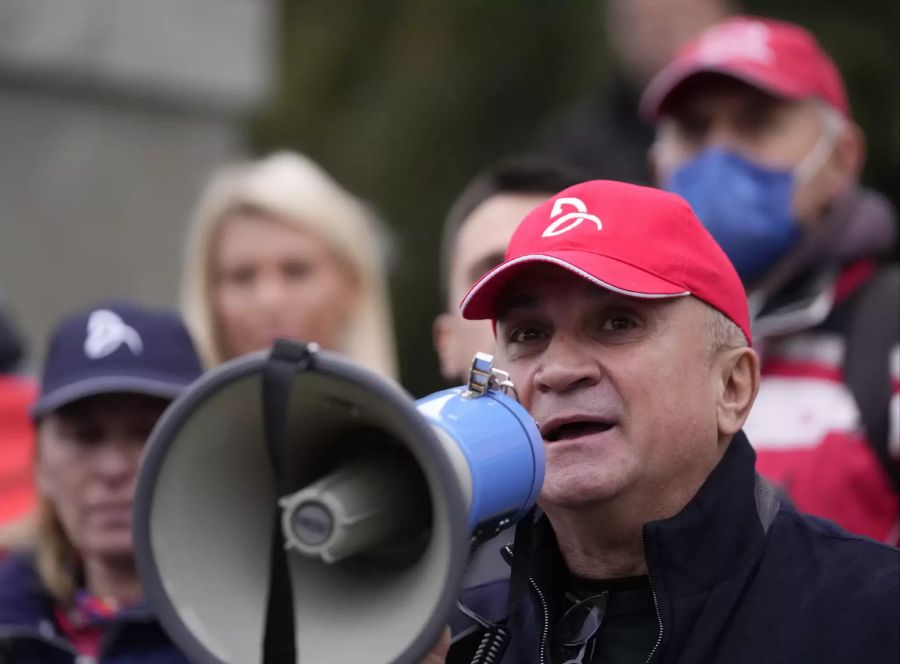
<point x="578" y="626"/>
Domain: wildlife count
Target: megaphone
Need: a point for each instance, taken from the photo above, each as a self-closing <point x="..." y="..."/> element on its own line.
<point x="369" y="501"/>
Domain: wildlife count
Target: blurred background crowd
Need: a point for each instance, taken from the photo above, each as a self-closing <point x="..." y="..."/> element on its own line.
<point x="164" y="152"/>
<point x="114" y="115"/>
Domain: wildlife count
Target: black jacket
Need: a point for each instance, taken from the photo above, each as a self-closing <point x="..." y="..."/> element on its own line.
<point x="737" y="577"/>
<point x="29" y="634"/>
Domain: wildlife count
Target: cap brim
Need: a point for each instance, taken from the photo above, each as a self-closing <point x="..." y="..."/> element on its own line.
<point x="670" y="79"/>
<point x="104" y="385"/>
<point x="608" y="273"/>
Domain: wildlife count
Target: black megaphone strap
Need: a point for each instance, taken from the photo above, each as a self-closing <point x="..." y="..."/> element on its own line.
<point x="286" y="359"/>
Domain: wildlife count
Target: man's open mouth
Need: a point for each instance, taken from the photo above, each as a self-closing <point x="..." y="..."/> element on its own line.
<point x="571" y="430"/>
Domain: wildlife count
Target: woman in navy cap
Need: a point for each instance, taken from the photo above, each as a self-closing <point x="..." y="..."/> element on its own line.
<point x="109" y="373"/>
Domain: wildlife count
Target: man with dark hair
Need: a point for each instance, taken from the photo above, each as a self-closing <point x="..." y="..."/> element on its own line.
<point x="755" y="130"/>
<point x="473" y="241"/>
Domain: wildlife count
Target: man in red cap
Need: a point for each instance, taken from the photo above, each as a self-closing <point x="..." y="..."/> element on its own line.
<point x="754" y="129"/>
<point x="626" y="332"/>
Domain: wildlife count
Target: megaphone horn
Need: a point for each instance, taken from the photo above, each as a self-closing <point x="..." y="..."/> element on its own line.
<point x="293" y="506"/>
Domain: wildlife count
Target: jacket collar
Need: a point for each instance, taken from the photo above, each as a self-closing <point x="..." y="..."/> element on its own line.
<point x="24" y="601"/>
<point x="721" y="529"/>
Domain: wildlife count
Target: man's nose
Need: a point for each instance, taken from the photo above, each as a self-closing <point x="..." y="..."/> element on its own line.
<point x="722" y="134"/>
<point x="567" y="366"/>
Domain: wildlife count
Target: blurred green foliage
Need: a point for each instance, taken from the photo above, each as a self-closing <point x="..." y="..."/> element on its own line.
<point x="404" y="101"/>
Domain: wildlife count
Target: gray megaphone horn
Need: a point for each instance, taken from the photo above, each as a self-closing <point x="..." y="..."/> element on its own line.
<point x="295" y="507"/>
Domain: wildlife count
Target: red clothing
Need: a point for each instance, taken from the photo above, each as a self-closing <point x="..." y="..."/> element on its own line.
<point x="86" y="622"/>
<point x="85" y="638"/>
<point x="17" y="495"/>
<point x="809" y="438"/>
<point x="840" y="479"/>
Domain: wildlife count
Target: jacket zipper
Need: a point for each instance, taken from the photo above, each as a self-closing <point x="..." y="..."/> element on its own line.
<point x="658" y="619"/>
<point x="545" y="631"/>
<point x="655" y="606"/>
<point x="546" y="615"/>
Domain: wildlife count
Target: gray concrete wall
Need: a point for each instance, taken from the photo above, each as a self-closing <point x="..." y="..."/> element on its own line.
<point x="112" y="115"/>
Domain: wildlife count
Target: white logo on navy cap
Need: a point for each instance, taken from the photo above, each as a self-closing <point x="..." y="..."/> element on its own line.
<point x="106" y="331"/>
<point x="572" y="218"/>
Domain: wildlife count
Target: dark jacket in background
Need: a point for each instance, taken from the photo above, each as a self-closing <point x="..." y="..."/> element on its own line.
<point x="29" y="634"/>
<point x="602" y="136"/>
<point x="737" y="577"/>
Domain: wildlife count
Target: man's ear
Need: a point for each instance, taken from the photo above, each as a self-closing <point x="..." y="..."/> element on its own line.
<point x="663" y="155"/>
<point x="654" y="162"/>
<point x="443" y="336"/>
<point x="737" y="372"/>
<point x="847" y="161"/>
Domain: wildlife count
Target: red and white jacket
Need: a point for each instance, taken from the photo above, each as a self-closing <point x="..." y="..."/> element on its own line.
<point x="810" y="440"/>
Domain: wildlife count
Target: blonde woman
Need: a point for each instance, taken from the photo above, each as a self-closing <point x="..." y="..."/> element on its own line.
<point x="277" y="248"/>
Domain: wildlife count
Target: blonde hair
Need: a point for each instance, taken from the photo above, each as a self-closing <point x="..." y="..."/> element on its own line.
<point x="292" y="188"/>
<point x="56" y="558"/>
<point x="19" y="533"/>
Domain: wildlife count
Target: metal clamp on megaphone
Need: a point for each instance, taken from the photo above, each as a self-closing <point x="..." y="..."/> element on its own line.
<point x="376" y="500"/>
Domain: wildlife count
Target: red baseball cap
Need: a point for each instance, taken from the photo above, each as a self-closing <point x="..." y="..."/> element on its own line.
<point x="636" y="241"/>
<point x="780" y="58"/>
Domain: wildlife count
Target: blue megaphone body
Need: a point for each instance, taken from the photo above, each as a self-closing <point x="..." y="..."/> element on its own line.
<point x="500" y="441"/>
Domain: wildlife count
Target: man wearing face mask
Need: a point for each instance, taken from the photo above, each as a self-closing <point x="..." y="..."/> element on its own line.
<point x="754" y="129"/>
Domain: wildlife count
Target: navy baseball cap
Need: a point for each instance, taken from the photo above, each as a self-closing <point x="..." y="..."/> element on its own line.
<point x="116" y="347"/>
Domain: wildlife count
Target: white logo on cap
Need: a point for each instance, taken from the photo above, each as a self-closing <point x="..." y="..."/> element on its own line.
<point x="106" y="331"/>
<point x="558" y="227"/>
<point x="746" y="40"/>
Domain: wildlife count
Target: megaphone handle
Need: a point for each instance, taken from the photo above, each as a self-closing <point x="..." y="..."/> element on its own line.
<point x="496" y="635"/>
<point x="285" y="359"/>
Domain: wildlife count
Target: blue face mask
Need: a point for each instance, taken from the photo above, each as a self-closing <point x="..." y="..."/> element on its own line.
<point x="745" y="207"/>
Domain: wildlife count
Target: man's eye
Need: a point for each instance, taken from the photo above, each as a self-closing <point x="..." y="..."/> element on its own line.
<point x="618" y="323"/>
<point x="754" y="125"/>
<point x="524" y="335"/>
<point x="693" y="129"/>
